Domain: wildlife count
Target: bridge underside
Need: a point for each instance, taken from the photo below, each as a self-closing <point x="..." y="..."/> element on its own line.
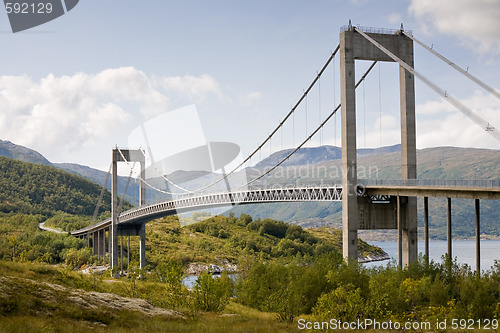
<point x="379" y="207"/>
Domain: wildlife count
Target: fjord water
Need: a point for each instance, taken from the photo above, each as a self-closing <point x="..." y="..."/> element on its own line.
<point x="463" y="250"/>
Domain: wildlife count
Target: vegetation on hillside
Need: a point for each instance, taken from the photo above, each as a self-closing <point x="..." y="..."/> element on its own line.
<point x="310" y="289"/>
<point x="221" y="239"/>
<point x="325" y="288"/>
<point x="44" y="298"/>
<point x="39" y="189"/>
<point x="285" y="272"/>
<point x="22" y="240"/>
<point x="441" y="163"/>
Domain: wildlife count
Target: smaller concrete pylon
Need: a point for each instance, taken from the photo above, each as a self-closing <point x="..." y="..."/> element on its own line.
<point x="125" y="155"/>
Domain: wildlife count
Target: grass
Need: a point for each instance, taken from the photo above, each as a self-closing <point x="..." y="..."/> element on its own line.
<point x="206" y="323"/>
<point x="41" y="298"/>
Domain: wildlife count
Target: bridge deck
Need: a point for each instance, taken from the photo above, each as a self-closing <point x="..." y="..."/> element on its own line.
<point x="435" y="191"/>
<point x="410" y="188"/>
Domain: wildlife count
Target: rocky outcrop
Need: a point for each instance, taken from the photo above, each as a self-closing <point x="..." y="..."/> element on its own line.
<point x="373" y="257"/>
<point x="197" y="268"/>
<point x="59" y="295"/>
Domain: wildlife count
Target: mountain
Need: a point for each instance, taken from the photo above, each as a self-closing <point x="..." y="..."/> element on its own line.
<point x="323" y="165"/>
<point x="42" y="189"/>
<point x="302" y="157"/>
<point x="447" y="163"/>
<point x="21" y="153"/>
<point x="314" y="155"/>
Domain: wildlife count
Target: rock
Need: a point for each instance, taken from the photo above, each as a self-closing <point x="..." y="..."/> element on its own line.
<point x="197" y="268"/>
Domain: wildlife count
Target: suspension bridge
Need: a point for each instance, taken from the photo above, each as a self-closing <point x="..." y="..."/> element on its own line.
<point x="366" y="204"/>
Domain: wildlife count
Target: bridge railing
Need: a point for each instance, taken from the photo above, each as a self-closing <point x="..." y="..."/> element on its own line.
<point x="373" y="30"/>
<point x="431" y="183"/>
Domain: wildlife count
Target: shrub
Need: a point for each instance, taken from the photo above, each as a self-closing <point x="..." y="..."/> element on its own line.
<point x="212" y="294"/>
<point x="344" y="303"/>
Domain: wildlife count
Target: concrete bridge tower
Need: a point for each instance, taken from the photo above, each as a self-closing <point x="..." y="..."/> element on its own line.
<point x="126" y="155"/>
<point x="361" y="212"/>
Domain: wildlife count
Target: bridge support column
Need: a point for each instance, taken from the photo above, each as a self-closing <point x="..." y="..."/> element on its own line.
<point x="408" y="148"/>
<point x="350" y="223"/>
<point x="94" y="244"/>
<point x="114" y="210"/>
<point x="142" y="247"/>
<point x="478" y="238"/>
<point x="400" y="232"/>
<point x="354" y="46"/>
<point x="121" y="254"/>
<point x="426" y="229"/>
<point x="448" y="232"/>
<point x="124" y="155"/>
<point x="110" y="245"/>
<point x="100" y="244"/>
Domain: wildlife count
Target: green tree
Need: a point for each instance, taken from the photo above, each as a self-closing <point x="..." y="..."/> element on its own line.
<point x="212" y="294"/>
<point x="344" y="303"/>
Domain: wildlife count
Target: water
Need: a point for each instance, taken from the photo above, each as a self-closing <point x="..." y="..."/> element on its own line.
<point x="190" y="280"/>
<point x="463" y="250"/>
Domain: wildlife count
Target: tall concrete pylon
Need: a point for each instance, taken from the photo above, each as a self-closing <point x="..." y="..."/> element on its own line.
<point x="360" y="212"/>
<point x="134" y="230"/>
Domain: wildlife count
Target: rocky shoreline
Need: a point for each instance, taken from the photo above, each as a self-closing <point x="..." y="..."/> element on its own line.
<point x="379" y="257"/>
<point x="197" y="268"/>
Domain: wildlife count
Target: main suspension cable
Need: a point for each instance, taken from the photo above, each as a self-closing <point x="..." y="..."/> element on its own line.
<point x="99" y="201"/>
<point x="143" y="180"/>
<point x="486" y="87"/>
<point x="168" y="180"/>
<point x="291" y="112"/>
<point x="486" y="126"/>
<point x="312" y="134"/>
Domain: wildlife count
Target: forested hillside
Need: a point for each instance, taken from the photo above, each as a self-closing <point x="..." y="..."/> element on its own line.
<point x="40" y="189"/>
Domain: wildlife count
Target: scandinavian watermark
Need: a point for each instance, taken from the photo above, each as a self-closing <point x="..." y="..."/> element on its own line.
<point x="26" y="14"/>
<point x="387" y="325"/>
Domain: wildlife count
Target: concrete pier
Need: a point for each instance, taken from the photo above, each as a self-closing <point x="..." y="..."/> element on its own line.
<point x="478" y="237"/>
<point x="126" y="155"/>
<point x="350" y="222"/>
<point x="360" y="213"/>
<point x="448" y="232"/>
<point x="426" y="229"/>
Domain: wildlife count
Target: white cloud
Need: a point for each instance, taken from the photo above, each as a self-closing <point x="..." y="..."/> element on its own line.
<point x="61" y="115"/>
<point x="435" y="107"/>
<point x="442" y="125"/>
<point x="474" y="22"/>
<point x="252" y="97"/>
<point x="395" y="18"/>
<point x="195" y="88"/>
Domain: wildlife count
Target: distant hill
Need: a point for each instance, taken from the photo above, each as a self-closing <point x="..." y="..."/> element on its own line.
<point x="449" y="163"/>
<point x="21" y="153"/>
<point x="316" y="155"/>
<point x="323" y="164"/>
<point x="42" y="189"/>
<point x="303" y="156"/>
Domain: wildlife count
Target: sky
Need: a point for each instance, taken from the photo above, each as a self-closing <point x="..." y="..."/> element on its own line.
<point x="75" y="87"/>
